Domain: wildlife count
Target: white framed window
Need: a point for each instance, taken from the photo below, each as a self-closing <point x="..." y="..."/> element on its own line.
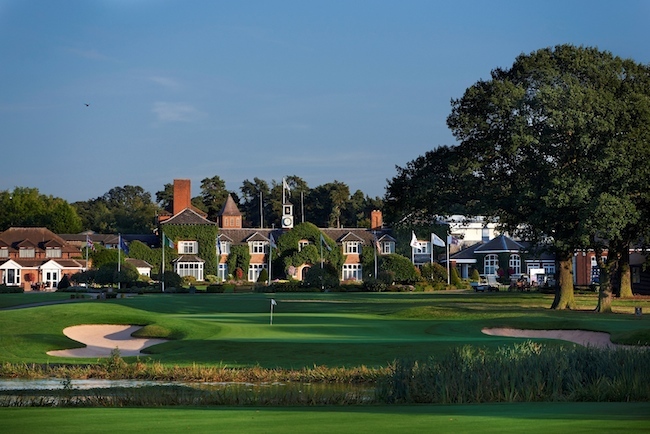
<point x="515" y="264"/>
<point x="422" y="247"/>
<point x="302" y="244"/>
<point x="4" y="252"/>
<point x="352" y="247"/>
<point x="549" y="268"/>
<point x="224" y="247"/>
<point x="53" y="252"/>
<point x="11" y="276"/>
<point x="352" y="272"/>
<point x="223" y="272"/>
<point x="490" y="264"/>
<point x="254" y="271"/>
<point x="188" y="247"/>
<point x="28" y="252"/>
<point x="387" y="247"/>
<point x="258" y="246"/>
<point x="189" y="269"/>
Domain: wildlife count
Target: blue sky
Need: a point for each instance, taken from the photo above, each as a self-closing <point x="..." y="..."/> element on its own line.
<point x="325" y="90"/>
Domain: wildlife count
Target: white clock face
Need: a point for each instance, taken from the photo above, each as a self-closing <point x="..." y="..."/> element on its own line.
<point x="287" y="221"/>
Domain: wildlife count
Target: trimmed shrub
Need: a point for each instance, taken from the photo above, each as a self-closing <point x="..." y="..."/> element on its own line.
<point x="215" y="289"/>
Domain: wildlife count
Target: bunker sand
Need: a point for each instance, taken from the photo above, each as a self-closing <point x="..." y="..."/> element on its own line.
<point x="581" y="337"/>
<point x="101" y="339"/>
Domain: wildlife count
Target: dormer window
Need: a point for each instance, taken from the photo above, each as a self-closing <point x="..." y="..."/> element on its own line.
<point x="224" y="247"/>
<point x="302" y="244"/>
<point x="352" y="247"/>
<point x="27" y="252"/>
<point x="387" y="247"/>
<point x="53" y="252"/>
<point x="258" y="246"/>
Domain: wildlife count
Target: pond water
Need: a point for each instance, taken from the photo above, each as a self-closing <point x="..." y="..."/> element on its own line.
<point x="13" y="384"/>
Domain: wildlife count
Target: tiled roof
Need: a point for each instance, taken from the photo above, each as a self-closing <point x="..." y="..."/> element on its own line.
<point x="138" y="263"/>
<point x="34" y="237"/>
<point x="188" y="217"/>
<point x="38" y="262"/>
<point x="188" y="258"/>
<point x="229" y="208"/>
<point x="501" y="243"/>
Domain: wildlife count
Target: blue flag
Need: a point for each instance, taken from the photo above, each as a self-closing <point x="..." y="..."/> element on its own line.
<point x="123" y="246"/>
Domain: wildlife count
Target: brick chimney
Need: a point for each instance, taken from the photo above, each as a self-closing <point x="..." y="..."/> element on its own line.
<point x="182" y="195"/>
<point x="376" y="220"/>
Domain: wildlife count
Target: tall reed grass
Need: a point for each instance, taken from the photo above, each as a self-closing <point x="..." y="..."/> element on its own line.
<point x="526" y="372"/>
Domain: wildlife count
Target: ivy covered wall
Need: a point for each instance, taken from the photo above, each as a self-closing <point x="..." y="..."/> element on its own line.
<point x="206" y="235"/>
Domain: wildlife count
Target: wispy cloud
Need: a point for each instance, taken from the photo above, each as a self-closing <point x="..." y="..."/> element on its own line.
<point x="165" y="82"/>
<point x="177" y="112"/>
<point x="90" y="54"/>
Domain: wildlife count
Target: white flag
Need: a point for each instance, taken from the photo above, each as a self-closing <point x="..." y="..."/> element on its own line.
<point x="437" y="241"/>
<point x="273" y="302"/>
<point x="414" y="240"/>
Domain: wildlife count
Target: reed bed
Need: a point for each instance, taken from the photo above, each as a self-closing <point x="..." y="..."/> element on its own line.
<point x="526" y="372"/>
<point x="116" y="368"/>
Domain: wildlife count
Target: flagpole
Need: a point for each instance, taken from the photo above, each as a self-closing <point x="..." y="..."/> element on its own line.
<point x="270" y="252"/>
<point x="119" y="259"/>
<point x="272" y="304"/>
<point x="261" y="211"/>
<point x="448" y="266"/>
<point x="162" y="266"/>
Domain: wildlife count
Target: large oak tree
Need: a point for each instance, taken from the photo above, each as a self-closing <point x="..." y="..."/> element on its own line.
<point x="551" y="141"/>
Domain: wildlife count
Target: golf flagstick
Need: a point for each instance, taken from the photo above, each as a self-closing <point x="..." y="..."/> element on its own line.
<point x="273" y="303"/>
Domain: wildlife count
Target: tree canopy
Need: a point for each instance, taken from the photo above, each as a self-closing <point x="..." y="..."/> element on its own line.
<point x="27" y="207"/>
<point x="549" y="147"/>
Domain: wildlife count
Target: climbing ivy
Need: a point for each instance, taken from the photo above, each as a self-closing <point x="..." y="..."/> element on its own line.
<point x="206" y="235"/>
<point x="289" y="253"/>
<point x="239" y="257"/>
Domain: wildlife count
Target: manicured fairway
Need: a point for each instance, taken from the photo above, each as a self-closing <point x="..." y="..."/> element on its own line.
<point x="502" y="418"/>
<point x="308" y="329"/>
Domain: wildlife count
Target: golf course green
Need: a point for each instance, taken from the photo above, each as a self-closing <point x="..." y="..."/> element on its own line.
<point x="315" y="329"/>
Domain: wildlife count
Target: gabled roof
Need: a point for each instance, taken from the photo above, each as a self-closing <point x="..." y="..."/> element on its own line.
<point x="350" y="236"/>
<point x="256" y="237"/>
<point x="224" y="237"/>
<point x="500" y="244"/>
<point x="229" y="208"/>
<point x="243" y="235"/>
<point x="188" y="258"/>
<point x="385" y="238"/>
<point x="138" y="263"/>
<point x="36" y="237"/>
<point x="188" y="217"/>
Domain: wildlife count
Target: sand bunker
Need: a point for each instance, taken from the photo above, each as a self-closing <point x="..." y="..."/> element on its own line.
<point x="100" y="340"/>
<point x="581" y="337"/>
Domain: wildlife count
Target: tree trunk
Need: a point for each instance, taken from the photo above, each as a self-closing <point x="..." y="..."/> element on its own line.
<point x="625" y="274"/>
<point x="605" y="294"/>
<point x="564" y="292"/>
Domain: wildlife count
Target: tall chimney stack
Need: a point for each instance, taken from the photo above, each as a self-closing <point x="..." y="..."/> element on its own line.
<point x="182" y="195"/>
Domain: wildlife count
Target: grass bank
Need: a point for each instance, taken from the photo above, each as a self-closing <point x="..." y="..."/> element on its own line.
<point x="501" y="418"/>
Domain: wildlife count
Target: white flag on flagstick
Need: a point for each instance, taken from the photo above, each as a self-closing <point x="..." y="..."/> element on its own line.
<point x="273" y="302"/>
<point x="437" y="241"/>
<point x="414" y="240"/>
